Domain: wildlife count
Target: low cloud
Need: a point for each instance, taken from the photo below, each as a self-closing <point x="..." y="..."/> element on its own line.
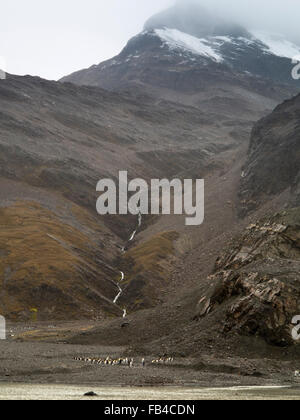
<point x="270" y="15"/>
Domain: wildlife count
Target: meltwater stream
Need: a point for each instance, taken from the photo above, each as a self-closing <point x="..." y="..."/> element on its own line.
<point x="119" y="287"/>
<point x="131" y="238"/>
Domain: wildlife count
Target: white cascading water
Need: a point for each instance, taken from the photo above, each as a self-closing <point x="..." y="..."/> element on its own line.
<point x="132" y="236"/>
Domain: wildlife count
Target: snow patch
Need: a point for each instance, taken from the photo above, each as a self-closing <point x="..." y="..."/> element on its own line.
<point x="223" y="38"/>
<point x="277" y="45"/>
<point x="180" y="40"/>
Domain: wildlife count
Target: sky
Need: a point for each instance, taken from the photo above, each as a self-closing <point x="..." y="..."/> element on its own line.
<point x="53" y="38"/>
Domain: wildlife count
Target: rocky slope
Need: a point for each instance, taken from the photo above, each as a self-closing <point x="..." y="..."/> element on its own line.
<point x="256" y="281"/>
<point x="273" y="163"/>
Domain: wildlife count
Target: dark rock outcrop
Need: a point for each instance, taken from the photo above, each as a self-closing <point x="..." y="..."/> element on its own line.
<point x="257" y="282"/>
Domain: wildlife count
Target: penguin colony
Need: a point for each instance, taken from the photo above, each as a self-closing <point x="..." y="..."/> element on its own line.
<point x="121" y="361"/>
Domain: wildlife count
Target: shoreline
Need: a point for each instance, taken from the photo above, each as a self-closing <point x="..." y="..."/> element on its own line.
<point x="110" y="394"/>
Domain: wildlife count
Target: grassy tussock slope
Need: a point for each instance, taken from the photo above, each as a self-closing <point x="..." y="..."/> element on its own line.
<point x="148" y="268"/>
<point x="48" y="267"/>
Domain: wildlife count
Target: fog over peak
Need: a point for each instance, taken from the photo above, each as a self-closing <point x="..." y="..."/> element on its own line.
<point x="194" y="19"/>
<point x="268" y="15"/>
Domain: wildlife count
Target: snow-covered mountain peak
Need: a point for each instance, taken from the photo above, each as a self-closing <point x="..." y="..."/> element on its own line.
<point x="177" y="40"/>
<point x="212" y="47"/>
<point x="186" y="40"/>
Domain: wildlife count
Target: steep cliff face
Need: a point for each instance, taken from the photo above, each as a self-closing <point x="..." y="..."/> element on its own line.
<point x="256" y="281"/>
<point x="273" y="163"/>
